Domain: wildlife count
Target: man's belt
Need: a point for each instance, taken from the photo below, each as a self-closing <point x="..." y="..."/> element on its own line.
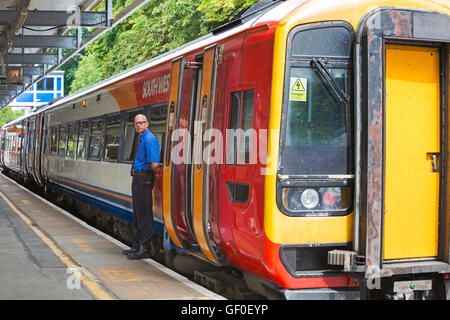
<point x="141" y="172"/>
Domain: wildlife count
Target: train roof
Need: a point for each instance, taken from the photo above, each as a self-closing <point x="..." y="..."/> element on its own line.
<point x="15" y="121"/>
<point x="270" y="13"/>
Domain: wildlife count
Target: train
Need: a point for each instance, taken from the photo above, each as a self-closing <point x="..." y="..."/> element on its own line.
<point x="304" y="146"/>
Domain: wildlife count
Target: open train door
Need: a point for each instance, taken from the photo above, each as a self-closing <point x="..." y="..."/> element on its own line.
<point x="200" y="172"/>
<point x="176" y="84"/>
<point x="402" y="74"/>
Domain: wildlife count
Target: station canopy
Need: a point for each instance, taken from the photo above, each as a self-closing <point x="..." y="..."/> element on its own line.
<point x="33" y="34"/>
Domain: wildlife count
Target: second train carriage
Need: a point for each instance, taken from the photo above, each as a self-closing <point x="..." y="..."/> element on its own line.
<point x="304" y="144"/>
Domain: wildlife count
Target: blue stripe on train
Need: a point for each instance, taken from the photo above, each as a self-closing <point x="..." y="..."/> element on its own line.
<point x="119" y="212"/>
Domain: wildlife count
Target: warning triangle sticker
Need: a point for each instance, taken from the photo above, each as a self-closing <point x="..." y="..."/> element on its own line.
<point x="298" y="86"/>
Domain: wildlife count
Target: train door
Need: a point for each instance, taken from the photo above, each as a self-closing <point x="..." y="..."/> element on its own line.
<point x="200" y="181"/>
<point x="181" y="149"/>
<point x="2" y="146"/>
<point x="23" y="145"/>
<point x="176" y="84"/>
<point x="46" y="140"/>
<point x="31" y="148"/>
<point x="412" y="152"/>
<point x="38" y="148"/>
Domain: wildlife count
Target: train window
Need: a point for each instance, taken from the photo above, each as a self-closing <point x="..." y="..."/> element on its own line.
<point x="54" y="132"/>
<point x="245" y="139"/>
<point x="96" y="139"/>
<point x="316" y="140"/>
<point x="202" y="130"/>
<point x="45" y="136"/>
<point x="30" y="136"/>
<point x="130" y="136"/>
<point x="158" y="116"/>
<point x="315" y="42"/>
<point x="169" y="132"/>
<point x="82" y="139"/>
<point x="62" y="141"/>
<point x="112" y="137"/>
<point x="315" y="136"/>
<point x="240" y="128"/>
<point x="231" y="153"/>
<point x="72" y="140"/>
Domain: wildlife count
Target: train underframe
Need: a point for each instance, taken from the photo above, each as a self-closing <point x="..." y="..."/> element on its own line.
<point x="236" y="284"/>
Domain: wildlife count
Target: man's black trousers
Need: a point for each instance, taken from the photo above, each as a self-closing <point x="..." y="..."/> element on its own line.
<point x="142" y="213"/>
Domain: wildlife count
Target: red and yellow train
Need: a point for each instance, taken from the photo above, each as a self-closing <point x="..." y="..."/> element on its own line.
<point x="304" y="144"/>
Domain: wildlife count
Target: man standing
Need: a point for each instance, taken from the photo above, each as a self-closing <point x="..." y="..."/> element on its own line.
<point x="144" y="170"/>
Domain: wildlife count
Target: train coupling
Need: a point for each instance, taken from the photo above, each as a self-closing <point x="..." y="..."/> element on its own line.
<point x="348" y="259"/>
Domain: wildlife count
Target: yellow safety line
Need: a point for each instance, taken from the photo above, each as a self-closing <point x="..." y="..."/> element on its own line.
<point x="96" y="290"/>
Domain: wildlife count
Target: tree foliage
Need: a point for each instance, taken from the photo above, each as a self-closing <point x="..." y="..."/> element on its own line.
<point x="158" y="27"/>
<point x="7" y="115"/>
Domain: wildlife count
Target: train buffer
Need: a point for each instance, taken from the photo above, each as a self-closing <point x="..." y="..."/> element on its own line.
<point x="48" y="254"/>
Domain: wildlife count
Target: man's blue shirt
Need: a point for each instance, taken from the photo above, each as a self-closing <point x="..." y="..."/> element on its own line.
<point x="148" y="152"/>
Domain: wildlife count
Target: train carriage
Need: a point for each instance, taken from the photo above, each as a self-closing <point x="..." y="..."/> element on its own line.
<point x="304" y="144"/>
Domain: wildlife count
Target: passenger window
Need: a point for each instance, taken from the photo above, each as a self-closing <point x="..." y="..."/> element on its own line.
<point x="169" y="132"/>
<point x="158" y="117"/>
<point x="62" y="142"/>
<point x="72" y="140"/>
<point x="54" y="141"/>
<point x="96" y="139"/>
<point x="112" y="137"/>
<point x="130" y="136"/>
<point x="240" y="131"/>
<point x="30" y="136"/>
<point x="82" y="139"/>
<point x="245" y="139"/>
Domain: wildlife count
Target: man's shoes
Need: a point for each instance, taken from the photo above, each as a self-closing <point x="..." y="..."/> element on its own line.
<point x="141" y="254"/>
<point x="128" y="251"/>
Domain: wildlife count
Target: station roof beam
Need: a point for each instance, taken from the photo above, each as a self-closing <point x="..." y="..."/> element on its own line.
<point x="45" y="18"/>
<point x="33" y="34"/>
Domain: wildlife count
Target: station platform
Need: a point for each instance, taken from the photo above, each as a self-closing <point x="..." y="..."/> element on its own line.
<point x="46" y="253"/>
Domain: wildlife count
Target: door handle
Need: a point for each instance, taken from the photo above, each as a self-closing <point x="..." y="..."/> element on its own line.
<point x="434" y="158"/>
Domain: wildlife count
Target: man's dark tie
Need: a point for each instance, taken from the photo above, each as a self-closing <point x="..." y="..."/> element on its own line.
<point x="135" y="155"/>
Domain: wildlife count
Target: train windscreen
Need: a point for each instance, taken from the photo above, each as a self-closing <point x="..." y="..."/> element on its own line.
<point x="316" y="133"/>
<point x="316" y="122"/>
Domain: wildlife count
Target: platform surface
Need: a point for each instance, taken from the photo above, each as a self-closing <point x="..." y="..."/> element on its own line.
<point x="45" y="253"/>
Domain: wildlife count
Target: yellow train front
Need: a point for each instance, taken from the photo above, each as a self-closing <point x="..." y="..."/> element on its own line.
<point x="356" y="190"/>
<point x="351" y="201"/>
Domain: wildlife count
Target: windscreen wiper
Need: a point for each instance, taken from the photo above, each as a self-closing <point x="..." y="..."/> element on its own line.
<point x="327" y="78"/>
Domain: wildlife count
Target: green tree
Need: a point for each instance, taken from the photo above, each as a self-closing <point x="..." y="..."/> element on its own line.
<point x="160" y="26"/>
<point x="223" y="10"/>
<point x="7" y="115"/>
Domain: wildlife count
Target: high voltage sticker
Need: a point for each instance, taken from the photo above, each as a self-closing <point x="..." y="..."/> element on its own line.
<point x="298" y="89"/>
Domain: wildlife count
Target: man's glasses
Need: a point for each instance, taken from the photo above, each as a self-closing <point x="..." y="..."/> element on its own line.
<point x="138" y="123"/>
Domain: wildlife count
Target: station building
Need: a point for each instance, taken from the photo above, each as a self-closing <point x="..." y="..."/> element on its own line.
<point x="40" y="93"/>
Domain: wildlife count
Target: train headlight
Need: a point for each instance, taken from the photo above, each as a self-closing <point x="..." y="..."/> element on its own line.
<point x="318" y="200"/>
<point x="310" y="198"/>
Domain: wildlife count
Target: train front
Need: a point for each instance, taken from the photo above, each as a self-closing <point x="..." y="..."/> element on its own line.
<point x="356" y="190"/>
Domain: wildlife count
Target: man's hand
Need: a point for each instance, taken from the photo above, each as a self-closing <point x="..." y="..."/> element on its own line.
<point x="155" y="168"/>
